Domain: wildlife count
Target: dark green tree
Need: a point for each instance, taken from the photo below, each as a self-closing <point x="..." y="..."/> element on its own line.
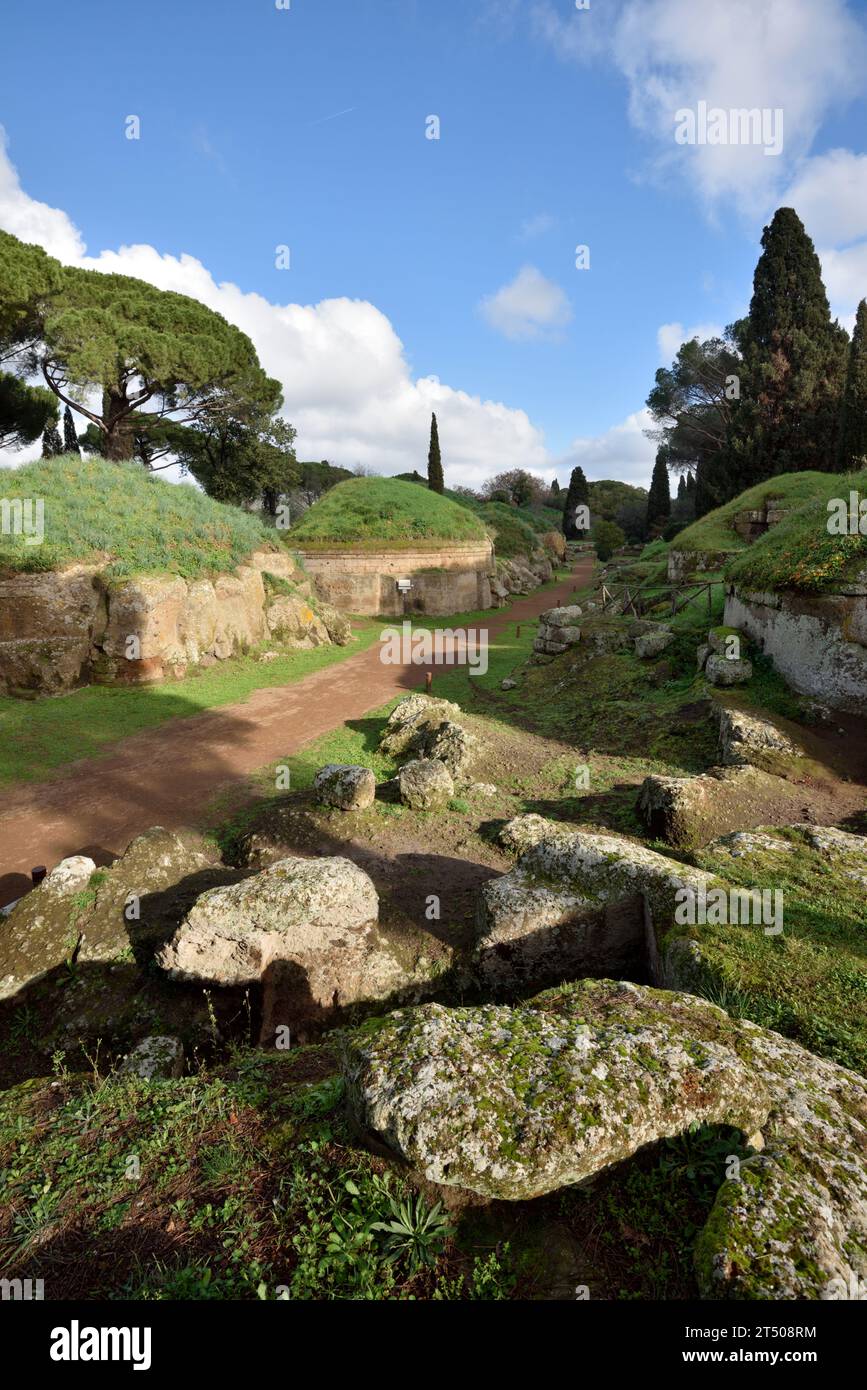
<point x="578" y="495"/>
<point x="240" y="464"/>
<point x="853" y="416"/>
<point x="25" y="411"/>
<point x="788" y="415"/>
<point x="659" y="498"/>
<point x="70" y="438"/>
<point x="52" y="444"/>
<point x="435" y="479"/>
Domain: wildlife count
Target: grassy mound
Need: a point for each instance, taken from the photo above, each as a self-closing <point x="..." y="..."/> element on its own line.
<point x="370" y="513"/>
<point x="801" y="553"/>
<point x="716" y="532"/>
<point x="94" y="508"/>
<point x="514" y="530"/>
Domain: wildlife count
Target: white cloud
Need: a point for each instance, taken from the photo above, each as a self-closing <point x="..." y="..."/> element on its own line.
<point x="845" y="276"/>
<point x="530" y="306"/>
<point x="347" y="385"/>
<point x="829" y="195"/>
<point x="796" y="55"/>
<point x="31" y="221"/>
<point x="622" y="452"/>
<point x="670" y="336"/>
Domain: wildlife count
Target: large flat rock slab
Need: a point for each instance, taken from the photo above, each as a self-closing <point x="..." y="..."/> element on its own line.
<point x="306" y="931"/>
<point x="515" y="1102"/>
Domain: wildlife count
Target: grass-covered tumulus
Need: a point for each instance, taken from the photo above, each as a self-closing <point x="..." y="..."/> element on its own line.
<point x="95" y="509"/>
<point x="715" y="533"/>
<point x="801" y="552"/>
<point x="377" y="513"/>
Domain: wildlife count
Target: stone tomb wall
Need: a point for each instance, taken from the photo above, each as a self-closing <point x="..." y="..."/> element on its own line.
<point x="453" y="579"/>
<point x="818" y="642"/>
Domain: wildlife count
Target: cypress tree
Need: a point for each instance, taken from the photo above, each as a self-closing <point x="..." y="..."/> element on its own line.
<point x="70" y="438"/>
<point x="555" y="488"/>
<point x="681" y="488"/>
<point x="853" y="416"/>
<point x="787" y="419"/>
<point x="578" y="495"/>
<point x="435" y="480"/>
<point x="659" y="497"/>
<point x="52" y="444"/>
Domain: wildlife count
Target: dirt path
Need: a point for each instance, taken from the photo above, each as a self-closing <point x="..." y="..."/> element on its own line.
<point x="166" y="776"/>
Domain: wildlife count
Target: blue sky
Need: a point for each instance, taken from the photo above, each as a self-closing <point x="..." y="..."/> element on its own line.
<point x="453" y="258"/>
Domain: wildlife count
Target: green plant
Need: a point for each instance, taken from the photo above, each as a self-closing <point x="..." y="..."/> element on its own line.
<point x="415" y="1233"/>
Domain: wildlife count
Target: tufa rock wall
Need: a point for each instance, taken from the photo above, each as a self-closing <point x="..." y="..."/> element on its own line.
<point x="66" y="628"/>
<point x="818" y="642"/>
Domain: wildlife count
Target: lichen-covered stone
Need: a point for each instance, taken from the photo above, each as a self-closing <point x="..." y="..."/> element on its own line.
<point x="793" y="1224"/>
<point x="653" y="643"/>
<point x="290" y="619"/>
<point x="566" y="616"/>
<point x="745" y="738"/>
<point x="422" y="726"/>
<point x="82" y="912"/>
<point x="411" y="720"/>
<point x="337" y="625"/>
<point x="306" y="931"/>
<point x="521" y="832"/>
<point x="425" y="784"/>
<point x="515" y="1102"/>
<point x="154" y="1059"/>
<point x="724" y="671"/>
<point x="454" y="746"/>
<point x="689" y="811"/>
<point x="558" y="630"/>
<point x="347" y="787"/>
<point x="577" y="902"/>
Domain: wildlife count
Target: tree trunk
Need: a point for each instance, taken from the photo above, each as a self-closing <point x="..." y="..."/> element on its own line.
<point x="119" y="438"/>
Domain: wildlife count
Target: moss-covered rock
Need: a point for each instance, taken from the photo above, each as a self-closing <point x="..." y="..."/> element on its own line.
<point x="515" y="1102"/>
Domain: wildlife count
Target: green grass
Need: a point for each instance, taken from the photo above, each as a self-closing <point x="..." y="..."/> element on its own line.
<point x="38" y="736"/>
<point x="249" y="1182"/>
<point x="715" y="533"/>
<point x="810" y="982"/>
<point x="94" y="509"/>
<point x="800" y="552"/>
<point x="369" y="513"/>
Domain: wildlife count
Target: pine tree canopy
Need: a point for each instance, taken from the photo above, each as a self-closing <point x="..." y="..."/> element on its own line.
<point x="144" y="347"/>
<point x="25" y="411"/>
